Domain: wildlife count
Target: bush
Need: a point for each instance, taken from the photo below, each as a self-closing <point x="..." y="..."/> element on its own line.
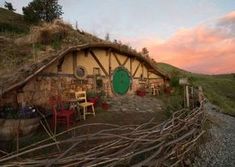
<point x="174" y="82"/>
<point x="174" y="103"/>
<point x="5" y="27"/>
<point x="50" y="32"/>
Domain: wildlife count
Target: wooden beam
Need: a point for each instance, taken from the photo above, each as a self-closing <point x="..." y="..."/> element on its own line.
<point x="142" y="69"/>
<point x="86" y="51"/>
<point x="131" y="60"/>
<point x="124" y="63"/>
<point x="51" y="74"/>
<point x="59" y="65"/>
<point x="148" y="77"/>
<point x="110" y="62"/>
<point x="136" y="70"/>
<point x="74" y="53"/>
<point x="151" y="70"/>
<point x="98" y="62"/>
<point x="117" y="59"/>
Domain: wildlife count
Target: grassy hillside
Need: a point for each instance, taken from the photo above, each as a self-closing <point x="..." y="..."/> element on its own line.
<point x="219" y="89"/>
<point x="12" y="22"/>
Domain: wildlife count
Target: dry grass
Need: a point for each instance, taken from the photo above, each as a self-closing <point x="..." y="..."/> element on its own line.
<point x="46" y="33"/>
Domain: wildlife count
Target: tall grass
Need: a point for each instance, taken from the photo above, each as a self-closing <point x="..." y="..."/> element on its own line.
<point x="219" y="89"/>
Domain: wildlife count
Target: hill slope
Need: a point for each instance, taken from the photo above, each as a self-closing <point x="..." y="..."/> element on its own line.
<point x="219" y="89"/>
<point x="12" y="22"/>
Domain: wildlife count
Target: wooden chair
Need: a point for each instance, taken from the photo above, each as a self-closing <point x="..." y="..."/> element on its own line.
<point x="83" y="104"/>
<point x="59" y="114"/>
<point x="154" y="90"/>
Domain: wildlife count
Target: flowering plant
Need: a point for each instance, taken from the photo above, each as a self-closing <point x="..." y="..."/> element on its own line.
<point x="9" y="112"/>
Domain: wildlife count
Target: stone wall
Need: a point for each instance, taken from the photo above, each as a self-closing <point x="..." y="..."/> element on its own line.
<point x="38" y="90"/>
<point x="9" y="98"/>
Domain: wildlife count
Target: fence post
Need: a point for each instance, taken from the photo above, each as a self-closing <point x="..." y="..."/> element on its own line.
<point x="187" y="96"/>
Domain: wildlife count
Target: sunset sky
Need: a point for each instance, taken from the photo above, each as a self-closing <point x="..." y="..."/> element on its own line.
<point x="196" y="35"/>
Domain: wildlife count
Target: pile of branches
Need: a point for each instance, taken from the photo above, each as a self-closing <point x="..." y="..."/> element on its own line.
<point x="148" y="144"/>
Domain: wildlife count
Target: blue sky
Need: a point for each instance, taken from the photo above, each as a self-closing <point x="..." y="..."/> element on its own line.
<point x="138" y="18"/>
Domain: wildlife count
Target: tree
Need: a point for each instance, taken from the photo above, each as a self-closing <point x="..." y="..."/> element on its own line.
<point x="9" y="6"/>
<point x="145" y="52"/>
<point x="42" y="10"/>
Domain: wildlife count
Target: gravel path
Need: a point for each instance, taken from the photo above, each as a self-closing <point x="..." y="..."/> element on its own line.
<point x="219" y="150"/>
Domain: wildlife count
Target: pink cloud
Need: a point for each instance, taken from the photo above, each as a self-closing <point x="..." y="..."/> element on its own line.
<point x="202" y="49"/>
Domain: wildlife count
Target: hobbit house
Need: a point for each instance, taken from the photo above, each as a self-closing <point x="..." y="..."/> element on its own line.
<point x="97" y="66"/>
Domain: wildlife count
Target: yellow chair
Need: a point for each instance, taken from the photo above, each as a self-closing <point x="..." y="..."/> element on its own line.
<point x="82" y="102"/>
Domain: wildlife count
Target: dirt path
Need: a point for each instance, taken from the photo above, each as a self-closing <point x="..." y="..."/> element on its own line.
<point x="219" y="151"/>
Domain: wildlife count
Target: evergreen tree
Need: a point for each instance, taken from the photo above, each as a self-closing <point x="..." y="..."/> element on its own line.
<point x="9" y="6"/>
<point x="42" y="10"/>
<point x="145" y="52"/>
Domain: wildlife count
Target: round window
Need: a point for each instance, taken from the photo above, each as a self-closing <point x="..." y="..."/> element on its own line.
<point x="80" y="72"/>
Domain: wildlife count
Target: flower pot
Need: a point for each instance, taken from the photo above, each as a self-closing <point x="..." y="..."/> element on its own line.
<point x="8" y="127"/>
<point x="105" y="106"/>
<point x="140" y="93"/>
<point x="93" y="100"/>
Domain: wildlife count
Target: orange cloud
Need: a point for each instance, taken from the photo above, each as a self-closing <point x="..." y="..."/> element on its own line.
<point x="203" y="49"/>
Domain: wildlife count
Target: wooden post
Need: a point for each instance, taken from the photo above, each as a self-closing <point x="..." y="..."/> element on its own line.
<point x="124" y="63"/>
<point x="99" y="63"/>
<point x="192" y="95"/>
<point x="142" y="69"/>
<point x="118" y="61"/>
<point x="136" y="70"/>
<point x="187" y="96"/>
<point x="110" y="71"/>
<point x="131" y="60"/>
<point x="148" y="82"/>
<point x="110" y="62"/>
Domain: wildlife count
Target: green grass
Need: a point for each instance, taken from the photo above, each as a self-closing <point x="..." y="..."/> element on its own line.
<point x="219" y="89"/>
<point x="12" y="22"/>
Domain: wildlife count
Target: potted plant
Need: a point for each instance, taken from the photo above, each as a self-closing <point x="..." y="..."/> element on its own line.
<point x="104" y="102"/>
<point x="141" y="92"/>
<point x="92" y="97"/>
<point x="17" y="121"/>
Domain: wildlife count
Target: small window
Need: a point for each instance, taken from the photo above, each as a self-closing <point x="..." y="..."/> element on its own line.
<point x="96" y="71"/>
<point x="99" y="83"/>
<point x="80" y="72"/>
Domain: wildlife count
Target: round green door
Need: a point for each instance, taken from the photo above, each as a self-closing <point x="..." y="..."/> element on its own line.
<point x="121" y="81"/>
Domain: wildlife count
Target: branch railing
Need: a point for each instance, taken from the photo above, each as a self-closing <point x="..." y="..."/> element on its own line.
<point x="148" y="144"/>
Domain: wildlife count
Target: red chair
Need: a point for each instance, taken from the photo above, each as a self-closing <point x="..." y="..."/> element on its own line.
<point x="59" y="114"/>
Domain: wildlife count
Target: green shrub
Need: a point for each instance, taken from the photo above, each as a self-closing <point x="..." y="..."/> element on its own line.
<point x="5" y="27"/>
<point x="174" y="82"/>
<point x="174" y="103"/>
